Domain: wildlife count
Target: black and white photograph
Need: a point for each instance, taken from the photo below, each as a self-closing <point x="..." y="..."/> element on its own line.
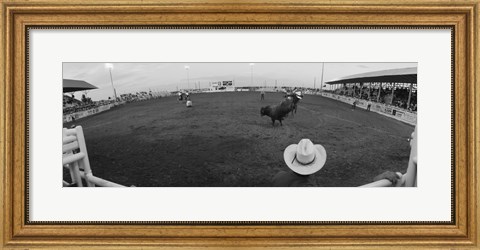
<point x="244" y="124"/>
<point x="239" y="124"/>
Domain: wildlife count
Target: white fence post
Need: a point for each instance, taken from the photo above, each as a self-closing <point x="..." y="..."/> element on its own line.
<point x="84" y="161"/>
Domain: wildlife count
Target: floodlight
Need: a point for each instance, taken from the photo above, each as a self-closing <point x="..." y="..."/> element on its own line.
<point x="108" y="66"/>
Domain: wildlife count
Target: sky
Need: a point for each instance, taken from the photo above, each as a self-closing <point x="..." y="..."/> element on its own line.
<point x="157" y="77"/>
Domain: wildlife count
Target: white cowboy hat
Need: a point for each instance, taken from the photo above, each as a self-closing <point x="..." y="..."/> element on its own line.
<point x="305" y="158"/>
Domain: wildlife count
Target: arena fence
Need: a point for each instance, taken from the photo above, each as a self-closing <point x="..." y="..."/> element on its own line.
<point x="75" y="159"/>
<point x="387" y="183"/>
<point x="405" y="180"/>
<point x="383" y="109"/>
<point x="85" y="113"/>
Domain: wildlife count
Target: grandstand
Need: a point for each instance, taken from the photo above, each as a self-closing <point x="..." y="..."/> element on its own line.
<point x="74" y="109"/>
<point x="397" y="87"/>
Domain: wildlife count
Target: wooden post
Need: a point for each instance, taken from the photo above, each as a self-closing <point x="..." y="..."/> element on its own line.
<point x="361" y="90"/>
<point x="409" y="96"/>
<point x="369" y="89"/>
<point x="393" y="91"/>
<point x="379" y="89"/>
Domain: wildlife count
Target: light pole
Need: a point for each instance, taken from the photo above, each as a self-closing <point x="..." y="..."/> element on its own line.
<point x="321" y="80"/>
<point x="251" y="71"/>
<point x="109" y="66"/>
<point x="188" y="76"/>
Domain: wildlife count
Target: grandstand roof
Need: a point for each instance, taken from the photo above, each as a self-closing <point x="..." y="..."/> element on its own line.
<point x="70" y="85"/>
<point x="403" y="75"/>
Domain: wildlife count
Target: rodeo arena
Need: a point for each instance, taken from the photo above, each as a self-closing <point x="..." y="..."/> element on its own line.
<point x="353" y="131"/>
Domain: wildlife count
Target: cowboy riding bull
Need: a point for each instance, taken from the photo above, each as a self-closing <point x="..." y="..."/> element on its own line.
<point x="294" y="96"/>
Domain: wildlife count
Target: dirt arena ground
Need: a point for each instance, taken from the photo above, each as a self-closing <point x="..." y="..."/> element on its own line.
<point x="224" y="142"/>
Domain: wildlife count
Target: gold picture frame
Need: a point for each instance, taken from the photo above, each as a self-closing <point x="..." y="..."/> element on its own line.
<point x="18" y="15"/>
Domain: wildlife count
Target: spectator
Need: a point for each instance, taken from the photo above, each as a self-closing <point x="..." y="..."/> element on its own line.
<point x="303" y="159"/>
